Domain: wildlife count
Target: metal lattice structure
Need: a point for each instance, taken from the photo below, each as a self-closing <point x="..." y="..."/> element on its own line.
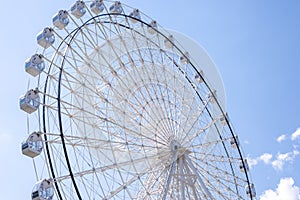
<point x="124" y="109"/>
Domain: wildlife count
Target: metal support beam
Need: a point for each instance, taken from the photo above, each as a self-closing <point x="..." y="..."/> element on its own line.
<point x="203" y="186"/>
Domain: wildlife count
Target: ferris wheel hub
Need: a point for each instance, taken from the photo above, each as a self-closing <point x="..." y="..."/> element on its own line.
<point x="177" y="151"/>
<point x="175" y="146"/>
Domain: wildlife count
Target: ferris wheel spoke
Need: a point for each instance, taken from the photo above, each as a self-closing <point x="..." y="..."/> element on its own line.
<point x="234" y="179"/>
<point x="183" y="97"/>
<point x="209" y="143"/>
<point x="86" y="186"/>
<point x="202" y="129"/>
<point x="95" y="31"/>
<point x="158" y="113"/>
<point x="91" y="42"/>
<point x="167" y="110"/>
<point x="79" y="141"/>
<point x="96" y="142"/>
<point x="169" y="127"/>
<point x="104" y="29"/>
<point x="58" y="156"/>
<point x="103" y="169"/>
<point x="217" y="179"/>
<point x="133" y="132"/>
<point x="146" y="118"/>
<point x="128" y="54"/>
<point x="140" y="53"/>
<point x="172" y="105"/>
<point x="118" y="25"/>
<point x="185" y="114"/>
<point x="141" y="105"/>
<point x="158" y="92"/>
<point x="153" y="182"/>
<point x="217" y="158"/>
<point x="90" y="37"/>
<point x="124" y="186"/>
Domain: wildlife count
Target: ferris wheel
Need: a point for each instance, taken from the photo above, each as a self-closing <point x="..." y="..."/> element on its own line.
<point x="121" y="108"/>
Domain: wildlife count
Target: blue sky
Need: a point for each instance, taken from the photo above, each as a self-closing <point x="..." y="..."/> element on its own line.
<point x="255" y="45"/>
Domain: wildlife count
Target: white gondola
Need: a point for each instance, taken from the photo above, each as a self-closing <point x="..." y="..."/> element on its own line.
<point x="43" y="190"/>
<point x="46" y="38"/>
<point x="223" y="119"/>
<point x="184" y="59"/>
<point x="250" y="190"/>
<point x="244" y="167"/>
<point x="60" y="19"/>
<point x="169" y="41"/>
<point x="35" y="64"/>
<point x="97" y="6"/>
<point x="234" y="142"/>
<point x="199" y="77"/>
<point x="30" y="101"/>
<point x="135" y="16"/>
<point x="152" y="27"/>
<point x="212" y="96"/>
<point x="116" y="8"/>
<point x="78" y="9"/>
<point x="33" y="146"/>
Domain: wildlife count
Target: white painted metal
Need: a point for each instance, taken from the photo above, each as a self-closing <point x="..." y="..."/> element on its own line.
<point x="46" y="38"/>
<point x="35" y="64"/>
<point x="135" y="14"/>
<point x="33" y="145"/>
<point x="97" y="6"/>
<point x="116" y="8"/>
<point x="43" y="190"/>
<point x="78" y="9"/>
<point x="152" y="27"/>
<point x="60" y="19"/>
<point x="30" y="101"/>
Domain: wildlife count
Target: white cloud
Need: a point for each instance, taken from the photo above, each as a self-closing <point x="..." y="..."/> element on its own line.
<point x="283" y="158"/>
<point x="286" y="190"/>
<point x="266" y="158"/>
<point x="296" y="134"/>
<point x="277" y="162"/>
<point x="281" y="138"/>
<point x="246" y="142"/>
<point x="252" y="162"/>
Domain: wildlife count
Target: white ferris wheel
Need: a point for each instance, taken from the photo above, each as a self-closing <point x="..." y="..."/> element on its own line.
<point x="121" y="108"/>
